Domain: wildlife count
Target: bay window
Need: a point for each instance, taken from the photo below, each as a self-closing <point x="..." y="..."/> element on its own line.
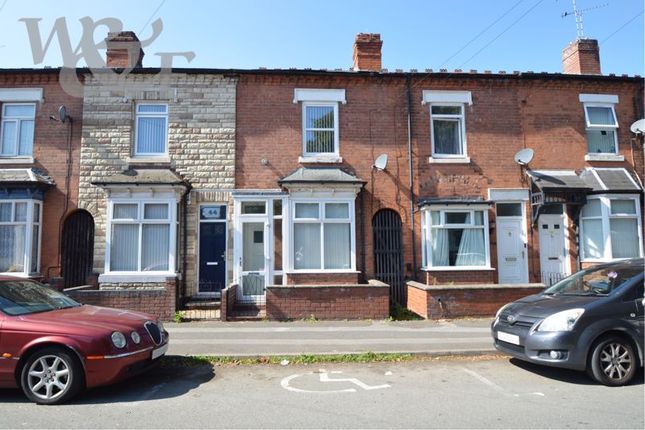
<point x="141" y="236"/>
<point x="323" y="235"/>
<point x="610" y="228"/>
<point x="20" y="232"/>
<point x="455" y="238"/>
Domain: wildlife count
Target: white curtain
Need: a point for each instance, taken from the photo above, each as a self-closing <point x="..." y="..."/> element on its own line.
<point x="600" y="115"/>
<point x="593" y="244"/>
<point x="124" y="247"/>
<point x="306" y="245"/>
<point x="151" y="135"/>
<point x="9" y="130"/>
<point x="155" y="247"/>
<point x="320" y="117"/>
<point x="439" y="243"/>
<point x="471" y="248"/>
<point x="26" y="137"/>
<point x="624" y="238"/>
<point x="601" y="141"/>
<point x="12" y="248"/>
<point x="156" y="211"/>
<point x="337" y="246"/>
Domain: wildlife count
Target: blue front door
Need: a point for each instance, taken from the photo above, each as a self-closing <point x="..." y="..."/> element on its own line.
<point x="212" y="249"/>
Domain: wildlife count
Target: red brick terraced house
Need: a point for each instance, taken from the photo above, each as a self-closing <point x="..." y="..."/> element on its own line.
<point x="474" y="187"/>
<point x="42" y="235"/>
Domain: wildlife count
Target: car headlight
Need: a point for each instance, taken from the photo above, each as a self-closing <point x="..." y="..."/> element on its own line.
<point x="500" y="310"/>
<point x="561" y="321"/>
<point x="135" y="337"/>
<point x="118" y="339"/>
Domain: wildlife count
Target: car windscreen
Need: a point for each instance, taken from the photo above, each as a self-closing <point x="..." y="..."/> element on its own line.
<point x="28" y="297"/>
<point x="596" y="281"/>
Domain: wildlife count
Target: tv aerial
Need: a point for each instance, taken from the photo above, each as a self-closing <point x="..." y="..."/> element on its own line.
<point x="524" y="156"/>
<point x="578" y="15"/>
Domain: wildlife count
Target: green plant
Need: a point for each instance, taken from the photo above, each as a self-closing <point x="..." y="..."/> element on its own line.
<point x="179" y="317"/>
<point x="399" y="313"/>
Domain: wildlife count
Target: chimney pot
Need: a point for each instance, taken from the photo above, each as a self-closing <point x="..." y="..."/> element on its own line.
<point x="123" y="50"/>
<point x="367" y="52"/>
<point x="581" y="57"/>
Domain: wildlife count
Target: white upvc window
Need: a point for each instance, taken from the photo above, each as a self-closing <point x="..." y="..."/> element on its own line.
<point x="455" y="238"/>
<point x="141" y="236"/>
<point x="602" y="128"/>
<point x="323" y="236"/>
<point x="610" y="228"/>
<point x="151" y="129"/>
<point x="20" y="235"/>
<point x="320" y="129"/>
<point x="448" y="130"/>
<point x="17" y="129"/>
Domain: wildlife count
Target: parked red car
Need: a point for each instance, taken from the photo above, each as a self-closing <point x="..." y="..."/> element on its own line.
<point x="52" y="347"/>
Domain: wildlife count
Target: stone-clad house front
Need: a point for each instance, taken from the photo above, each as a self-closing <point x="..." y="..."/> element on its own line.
<point x="157" y="164"/>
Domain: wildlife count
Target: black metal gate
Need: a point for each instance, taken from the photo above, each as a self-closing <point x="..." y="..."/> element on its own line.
<point x="388" y="253"/>
<point x="77" y="248"/>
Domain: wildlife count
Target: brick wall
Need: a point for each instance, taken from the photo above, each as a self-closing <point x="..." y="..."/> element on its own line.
<point x="227" y="303"/>
<point x="155" y="299"/>
<point x="454" y="301"/>
<point x="328" y="301"/>
<point x="50" y="153"/>
<point x="322" y="278"/>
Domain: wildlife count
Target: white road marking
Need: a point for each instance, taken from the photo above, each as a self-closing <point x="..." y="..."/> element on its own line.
<point x="488" y="382"/>
<point x="324" y="377"/>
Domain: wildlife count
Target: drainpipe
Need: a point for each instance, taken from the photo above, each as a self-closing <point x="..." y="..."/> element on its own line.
<point x="411" y="181"/>
<point x="184" y="244"/>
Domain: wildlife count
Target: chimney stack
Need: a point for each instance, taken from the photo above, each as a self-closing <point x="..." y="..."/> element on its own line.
<point x="581" y="57"/>
<point x="367" y="52"/>
<point x="123" y="50"/>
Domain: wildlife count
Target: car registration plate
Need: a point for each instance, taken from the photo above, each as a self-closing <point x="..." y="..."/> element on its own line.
<point x="507" y="337"/>
<point x="156" y="353"/>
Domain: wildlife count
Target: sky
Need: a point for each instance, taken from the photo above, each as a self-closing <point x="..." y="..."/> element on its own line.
<point x="524" y="35"/>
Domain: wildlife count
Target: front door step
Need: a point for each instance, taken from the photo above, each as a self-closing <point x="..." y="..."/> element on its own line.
<point x="250" y="312"/>
<point x="202" y="304"/>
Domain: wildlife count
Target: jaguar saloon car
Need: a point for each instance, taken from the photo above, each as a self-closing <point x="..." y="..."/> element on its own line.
<point x="53" y="347"/>
<point x="593" y="320"/>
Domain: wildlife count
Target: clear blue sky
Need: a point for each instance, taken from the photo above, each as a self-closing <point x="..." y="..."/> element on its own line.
<point x="300" y="33"/>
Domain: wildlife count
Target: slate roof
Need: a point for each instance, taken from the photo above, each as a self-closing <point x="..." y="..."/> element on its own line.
<point x="143" y="177"/>
<point x="320" y="175"/>
<point x="24" y="177"/>
<point x="613" y="180"/>
<point x="558" y="180"/>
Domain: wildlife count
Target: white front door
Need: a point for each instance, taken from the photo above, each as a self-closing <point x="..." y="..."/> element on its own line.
<point x="253" y="260"/>
<point x="553" y="249"/>
<point x="512" y="256"/>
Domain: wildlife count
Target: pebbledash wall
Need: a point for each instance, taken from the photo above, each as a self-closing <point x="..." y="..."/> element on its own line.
<point x="200" y="149"/>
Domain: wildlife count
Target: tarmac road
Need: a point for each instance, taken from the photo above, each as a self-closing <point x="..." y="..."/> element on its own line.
<point x="469" y="392"/>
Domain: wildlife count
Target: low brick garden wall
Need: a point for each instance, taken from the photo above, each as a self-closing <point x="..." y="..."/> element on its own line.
<point x="329" y="302"/>
<point x="157" y="299"/>
<point x="453" y="301"/>
<point x="227" y="301"/>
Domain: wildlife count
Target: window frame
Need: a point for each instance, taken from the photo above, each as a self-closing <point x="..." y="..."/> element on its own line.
<point x="605" y="217"/>
<point x="427" y="227"/>
<point x="461" y="118"/>
<point x="138" y="115"/>
<point x="334" y="105"/>
<point x="18" y="120"/>
<point x="593" y="127"/>
<point x="171" y="221"/>
<point x="321" y="220"/>
<point x="33" y="217"/>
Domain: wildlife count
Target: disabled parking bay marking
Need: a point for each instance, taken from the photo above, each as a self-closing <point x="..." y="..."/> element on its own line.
<point x="324" y="379"/>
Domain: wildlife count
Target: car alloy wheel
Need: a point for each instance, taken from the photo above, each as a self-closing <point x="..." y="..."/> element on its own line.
<point x="613" y="361"/>
<point x="50" y="376"/>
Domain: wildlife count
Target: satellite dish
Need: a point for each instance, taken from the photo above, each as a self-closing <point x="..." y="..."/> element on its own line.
<point x="524" y="156"/>
<point x="638" y="127"/>
<point x="381" y="162"/>
<point x="62" y="113"/>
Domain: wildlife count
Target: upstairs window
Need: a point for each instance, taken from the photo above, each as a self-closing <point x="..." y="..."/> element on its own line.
<point x="448" y="130"/>
<point x="17" y="129"/>
<point x="151" y="130"/>
<point x="602" y="128"/>
<point x="320" y="123"/>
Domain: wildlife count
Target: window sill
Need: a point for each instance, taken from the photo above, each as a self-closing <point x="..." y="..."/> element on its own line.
<point x="21" y="275"/>
<point x="458" y="269"/>
<point x="322" y="272"/>
<point x="136" y="277"/>
<point x="320" y="159"/>
<point x="604" y="157"/>
<point x="461" y="160"/>
<point x="161" y="159"/>
<point x="16" y="160"/>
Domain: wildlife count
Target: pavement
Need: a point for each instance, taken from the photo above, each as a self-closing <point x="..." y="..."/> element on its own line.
<point x="267" y="338"/>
